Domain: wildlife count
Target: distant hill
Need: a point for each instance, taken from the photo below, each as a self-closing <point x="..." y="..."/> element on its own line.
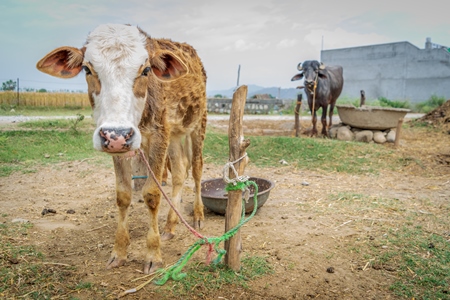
<point x="290" y="93"/>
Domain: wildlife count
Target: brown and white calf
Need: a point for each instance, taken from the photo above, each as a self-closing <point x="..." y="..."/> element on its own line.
<point x="145" y="93"/>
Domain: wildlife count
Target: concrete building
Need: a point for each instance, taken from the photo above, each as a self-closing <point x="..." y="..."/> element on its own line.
<point x="396" y="71"/>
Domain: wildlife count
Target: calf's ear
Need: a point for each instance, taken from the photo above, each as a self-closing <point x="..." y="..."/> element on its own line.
<point x="63" y="62"/>
<point x="297" y="77"/>
<point x="167" y="66"/>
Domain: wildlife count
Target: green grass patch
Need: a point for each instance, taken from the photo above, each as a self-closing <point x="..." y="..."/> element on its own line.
<point x="418" y="260"/>
<point x="52" y="141"/>
<point x="23" y="150"/>
<point x="201" y="280"/>
<point x="15" y="110"/>
<point x="424" y="263"/>
<point x="306" y="153"/>
<point x="75" y="124"/>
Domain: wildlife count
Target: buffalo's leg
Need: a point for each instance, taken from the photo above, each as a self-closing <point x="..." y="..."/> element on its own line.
<point x="330" y="114"/>
<point x="324" y="120"/>
<point x="123" y="197"/>
<point x="314" y="122"/>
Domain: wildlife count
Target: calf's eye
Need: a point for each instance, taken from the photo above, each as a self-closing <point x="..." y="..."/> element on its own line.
<point x="87" y="70"/>
<point x="146" y="71"/>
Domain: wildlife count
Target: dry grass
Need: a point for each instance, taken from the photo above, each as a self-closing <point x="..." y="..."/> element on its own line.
<point x="45" y="99"/>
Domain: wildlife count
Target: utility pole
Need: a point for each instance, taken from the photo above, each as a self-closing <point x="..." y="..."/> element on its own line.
<point x="18" y="99"/>
<point x="239" y="75"/>
<point x="321" y="49"/>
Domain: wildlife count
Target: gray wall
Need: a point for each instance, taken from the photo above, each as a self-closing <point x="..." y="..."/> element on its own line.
<point x="396" y="71"/>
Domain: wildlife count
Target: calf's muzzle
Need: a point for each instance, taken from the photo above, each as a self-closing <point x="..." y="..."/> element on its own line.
<point x="116" y="140"/>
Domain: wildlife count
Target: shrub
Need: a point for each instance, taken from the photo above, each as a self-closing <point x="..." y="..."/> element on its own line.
<point x="431" y="104"/>
<point x="395" y="104"/>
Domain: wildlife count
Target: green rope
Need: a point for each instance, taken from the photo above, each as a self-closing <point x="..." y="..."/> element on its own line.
<point x="174" y="271"/>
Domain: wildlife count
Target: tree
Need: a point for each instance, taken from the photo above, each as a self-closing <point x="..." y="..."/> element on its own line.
<point x="9" y="85"/>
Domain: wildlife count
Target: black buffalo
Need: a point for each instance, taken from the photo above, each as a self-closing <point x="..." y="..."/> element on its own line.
<point x="323" y="85"/>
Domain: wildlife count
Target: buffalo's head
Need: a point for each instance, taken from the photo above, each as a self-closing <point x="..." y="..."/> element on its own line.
<point x="311" y="70"/>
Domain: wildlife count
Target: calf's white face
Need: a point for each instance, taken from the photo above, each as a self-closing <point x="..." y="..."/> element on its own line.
<point x="115" y="58"/>
<point x="118" y="70"/>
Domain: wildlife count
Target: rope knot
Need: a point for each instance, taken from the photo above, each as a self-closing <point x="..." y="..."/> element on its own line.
<point x="230" y="165"/>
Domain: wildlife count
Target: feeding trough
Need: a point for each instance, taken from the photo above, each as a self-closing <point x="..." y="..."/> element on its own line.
<point x="215" y="196"/>
<point x="370" y="117"/>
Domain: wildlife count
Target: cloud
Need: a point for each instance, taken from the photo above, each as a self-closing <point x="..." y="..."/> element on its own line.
<point x="267" y="37"/>
<point x="287" y="43"/>
<point x="242" y="45"/>
<point x="340" y="38"/>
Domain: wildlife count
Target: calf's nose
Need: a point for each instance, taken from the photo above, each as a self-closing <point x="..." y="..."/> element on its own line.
<point x="116" y="140"/>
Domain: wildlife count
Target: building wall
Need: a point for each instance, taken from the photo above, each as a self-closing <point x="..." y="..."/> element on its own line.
<point x="396" y="71"/>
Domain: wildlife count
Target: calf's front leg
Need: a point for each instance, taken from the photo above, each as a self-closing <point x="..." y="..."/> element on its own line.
<point x="152" y="198"/>
<point x="122" y="167"/>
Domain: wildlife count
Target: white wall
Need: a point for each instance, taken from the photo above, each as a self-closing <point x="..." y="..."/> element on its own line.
<point x="396" y="71"/>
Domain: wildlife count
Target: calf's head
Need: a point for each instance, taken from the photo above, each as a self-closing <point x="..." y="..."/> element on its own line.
<point x="311" y="70"/>
<point x="120" y="68"/>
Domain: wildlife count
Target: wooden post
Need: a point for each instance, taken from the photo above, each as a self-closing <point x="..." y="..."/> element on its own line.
<point x="397" y="133"/>
<point x="298" y="107"/>
<point x="238" y="148"/>
<point x="362" y="101"/>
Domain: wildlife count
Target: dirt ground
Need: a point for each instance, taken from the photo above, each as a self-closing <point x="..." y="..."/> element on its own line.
<point x="301" y="229"/>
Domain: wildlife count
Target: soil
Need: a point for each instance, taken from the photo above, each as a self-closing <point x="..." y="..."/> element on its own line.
<point x="439" y="118"/>
<point x="306" y="235"/>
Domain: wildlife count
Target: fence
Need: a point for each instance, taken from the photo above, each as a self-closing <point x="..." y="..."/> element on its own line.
<point x="44" y="99"/>
<point x="252" y="106"/>
<point x="215" y="105"/>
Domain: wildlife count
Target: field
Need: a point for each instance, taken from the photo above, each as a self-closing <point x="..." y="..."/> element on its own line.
<point x="345" y="220"/>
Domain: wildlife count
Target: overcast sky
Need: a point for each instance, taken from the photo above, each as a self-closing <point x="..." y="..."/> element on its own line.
<point x="267" y="38"/>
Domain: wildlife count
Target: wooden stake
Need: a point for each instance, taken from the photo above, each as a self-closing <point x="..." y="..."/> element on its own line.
<point x="362" y="101"/>
<point x="397" y="133"/>
<point x="238" y="148"/>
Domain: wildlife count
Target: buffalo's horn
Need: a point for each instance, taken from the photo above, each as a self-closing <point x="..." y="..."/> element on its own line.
<point x="322" y="66"/>
<point x="299" y="67"/>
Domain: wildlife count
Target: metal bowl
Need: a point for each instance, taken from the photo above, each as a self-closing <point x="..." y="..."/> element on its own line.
<point x="215" y="197"/>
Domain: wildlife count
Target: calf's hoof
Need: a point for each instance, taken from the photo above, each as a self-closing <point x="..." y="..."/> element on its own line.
<point x="114" y="261"/>
<point x="151" y="267"/>
<point x="198" y="224"/>
<point x="165" y="236"/>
